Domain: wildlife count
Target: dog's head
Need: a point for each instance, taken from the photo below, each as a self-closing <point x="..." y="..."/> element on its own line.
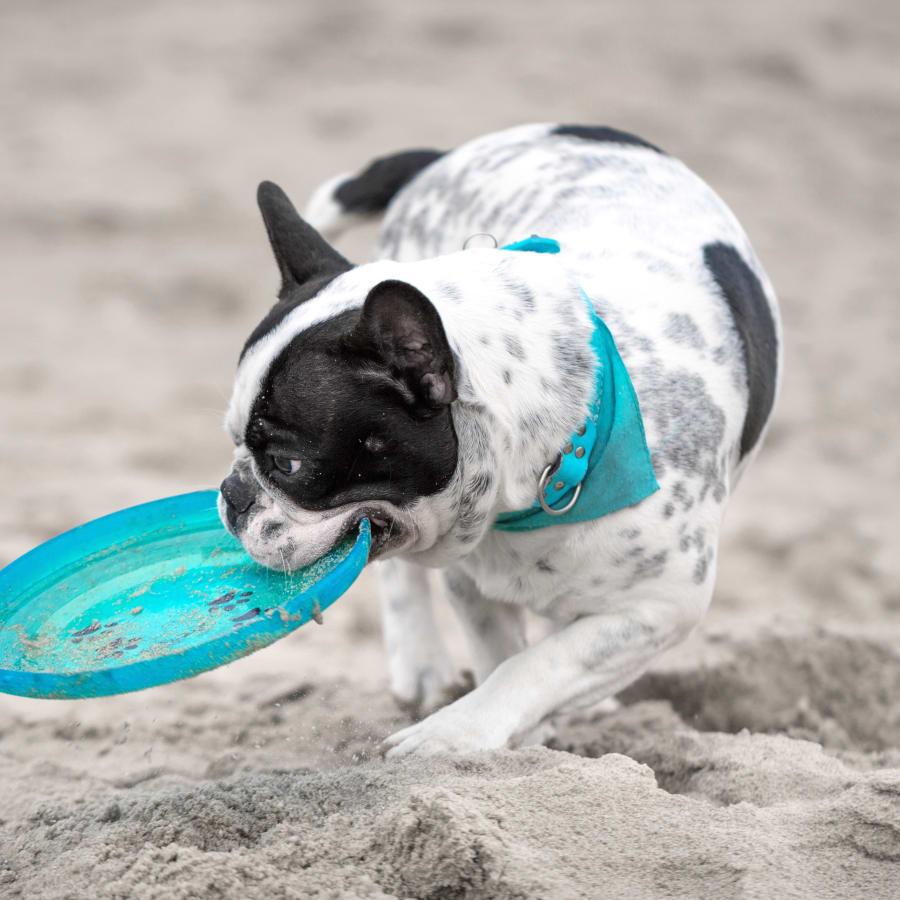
<point x="341" y="407"/>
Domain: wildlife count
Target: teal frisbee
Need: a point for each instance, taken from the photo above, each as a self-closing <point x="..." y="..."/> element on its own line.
<point x="152" y="594"/>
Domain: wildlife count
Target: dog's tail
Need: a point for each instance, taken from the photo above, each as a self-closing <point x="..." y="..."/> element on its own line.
<point x="343" y="201"/>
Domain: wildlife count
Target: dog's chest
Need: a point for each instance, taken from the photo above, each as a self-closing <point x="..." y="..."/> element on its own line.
<point x="567" y="572"/>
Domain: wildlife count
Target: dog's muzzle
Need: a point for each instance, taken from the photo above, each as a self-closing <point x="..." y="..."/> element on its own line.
<point x="238" y="496"/>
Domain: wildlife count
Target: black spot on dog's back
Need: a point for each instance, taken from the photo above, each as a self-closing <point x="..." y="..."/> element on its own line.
<point x="604" y="134"/>
<point x="374" y="188"/>
<point x="747" y="301"/>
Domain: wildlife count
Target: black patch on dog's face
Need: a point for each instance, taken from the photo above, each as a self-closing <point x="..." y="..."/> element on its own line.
<point x="604" y="134"/>
<point x="373" y="189"/>
<point x="747" y="301"/>
<point x="362" y="402"/>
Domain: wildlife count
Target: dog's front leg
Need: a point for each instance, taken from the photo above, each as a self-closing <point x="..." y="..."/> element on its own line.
<point x="422" y="675"/>
<point x="494" y="631"/>
<point x="594" y="655"/>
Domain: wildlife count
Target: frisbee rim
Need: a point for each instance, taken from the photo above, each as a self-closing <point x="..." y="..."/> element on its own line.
<point x="61" y="552"/>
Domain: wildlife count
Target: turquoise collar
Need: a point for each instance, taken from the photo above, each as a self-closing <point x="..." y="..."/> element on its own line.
<point x="605" y="465"/>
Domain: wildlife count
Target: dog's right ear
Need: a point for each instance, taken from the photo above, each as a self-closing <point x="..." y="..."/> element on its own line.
<point x="300" y="251"/>
<point x="400" y="328"/>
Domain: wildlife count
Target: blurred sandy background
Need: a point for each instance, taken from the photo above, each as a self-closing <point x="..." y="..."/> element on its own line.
<point x="133" y="265"/>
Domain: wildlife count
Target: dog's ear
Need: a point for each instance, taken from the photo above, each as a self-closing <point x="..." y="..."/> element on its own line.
<point x="300" y="251"/>
<point x="400" y="328"/>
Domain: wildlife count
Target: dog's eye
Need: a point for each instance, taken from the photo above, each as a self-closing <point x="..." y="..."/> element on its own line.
<point x="288" y="466"/>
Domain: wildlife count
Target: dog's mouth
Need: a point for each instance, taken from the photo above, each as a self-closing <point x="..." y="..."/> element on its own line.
<point x="387" y="532"/>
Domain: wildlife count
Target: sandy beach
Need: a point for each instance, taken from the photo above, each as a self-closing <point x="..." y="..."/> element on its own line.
<point x="760" y="759"/>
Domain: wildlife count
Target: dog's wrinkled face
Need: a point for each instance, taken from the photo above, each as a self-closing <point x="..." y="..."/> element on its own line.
<point x="351" y="417"/>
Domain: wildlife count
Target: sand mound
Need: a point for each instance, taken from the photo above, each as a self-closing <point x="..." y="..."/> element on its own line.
<point x="283" y="795"/>
<point x="839" y="690"/>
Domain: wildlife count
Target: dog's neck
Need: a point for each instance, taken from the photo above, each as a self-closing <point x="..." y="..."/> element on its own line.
<point x="522" y="336"/>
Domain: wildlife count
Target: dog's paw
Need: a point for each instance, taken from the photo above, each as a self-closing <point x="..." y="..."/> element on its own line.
<point x="449" y="730"/>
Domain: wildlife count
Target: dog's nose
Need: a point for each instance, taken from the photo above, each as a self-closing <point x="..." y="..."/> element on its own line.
<point x="238" y="495"/>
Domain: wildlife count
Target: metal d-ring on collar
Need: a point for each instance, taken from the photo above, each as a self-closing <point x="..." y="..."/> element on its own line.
<point x="542" y="486"/>
<point x="480" y="234"/>
<point x="560" y="485"/>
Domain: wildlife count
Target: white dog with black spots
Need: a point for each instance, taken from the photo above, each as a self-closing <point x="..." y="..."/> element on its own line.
<point x="429" y="389"/>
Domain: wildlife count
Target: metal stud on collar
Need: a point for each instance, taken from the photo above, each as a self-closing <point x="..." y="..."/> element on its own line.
<point x="542" y="486"/>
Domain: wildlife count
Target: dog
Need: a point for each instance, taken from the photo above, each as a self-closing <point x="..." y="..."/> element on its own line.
<point x="436" y="389"/>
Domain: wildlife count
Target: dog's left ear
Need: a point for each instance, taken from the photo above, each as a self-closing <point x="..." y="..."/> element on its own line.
<point x="301" y="252"/>
<point x="400" y="327"/>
